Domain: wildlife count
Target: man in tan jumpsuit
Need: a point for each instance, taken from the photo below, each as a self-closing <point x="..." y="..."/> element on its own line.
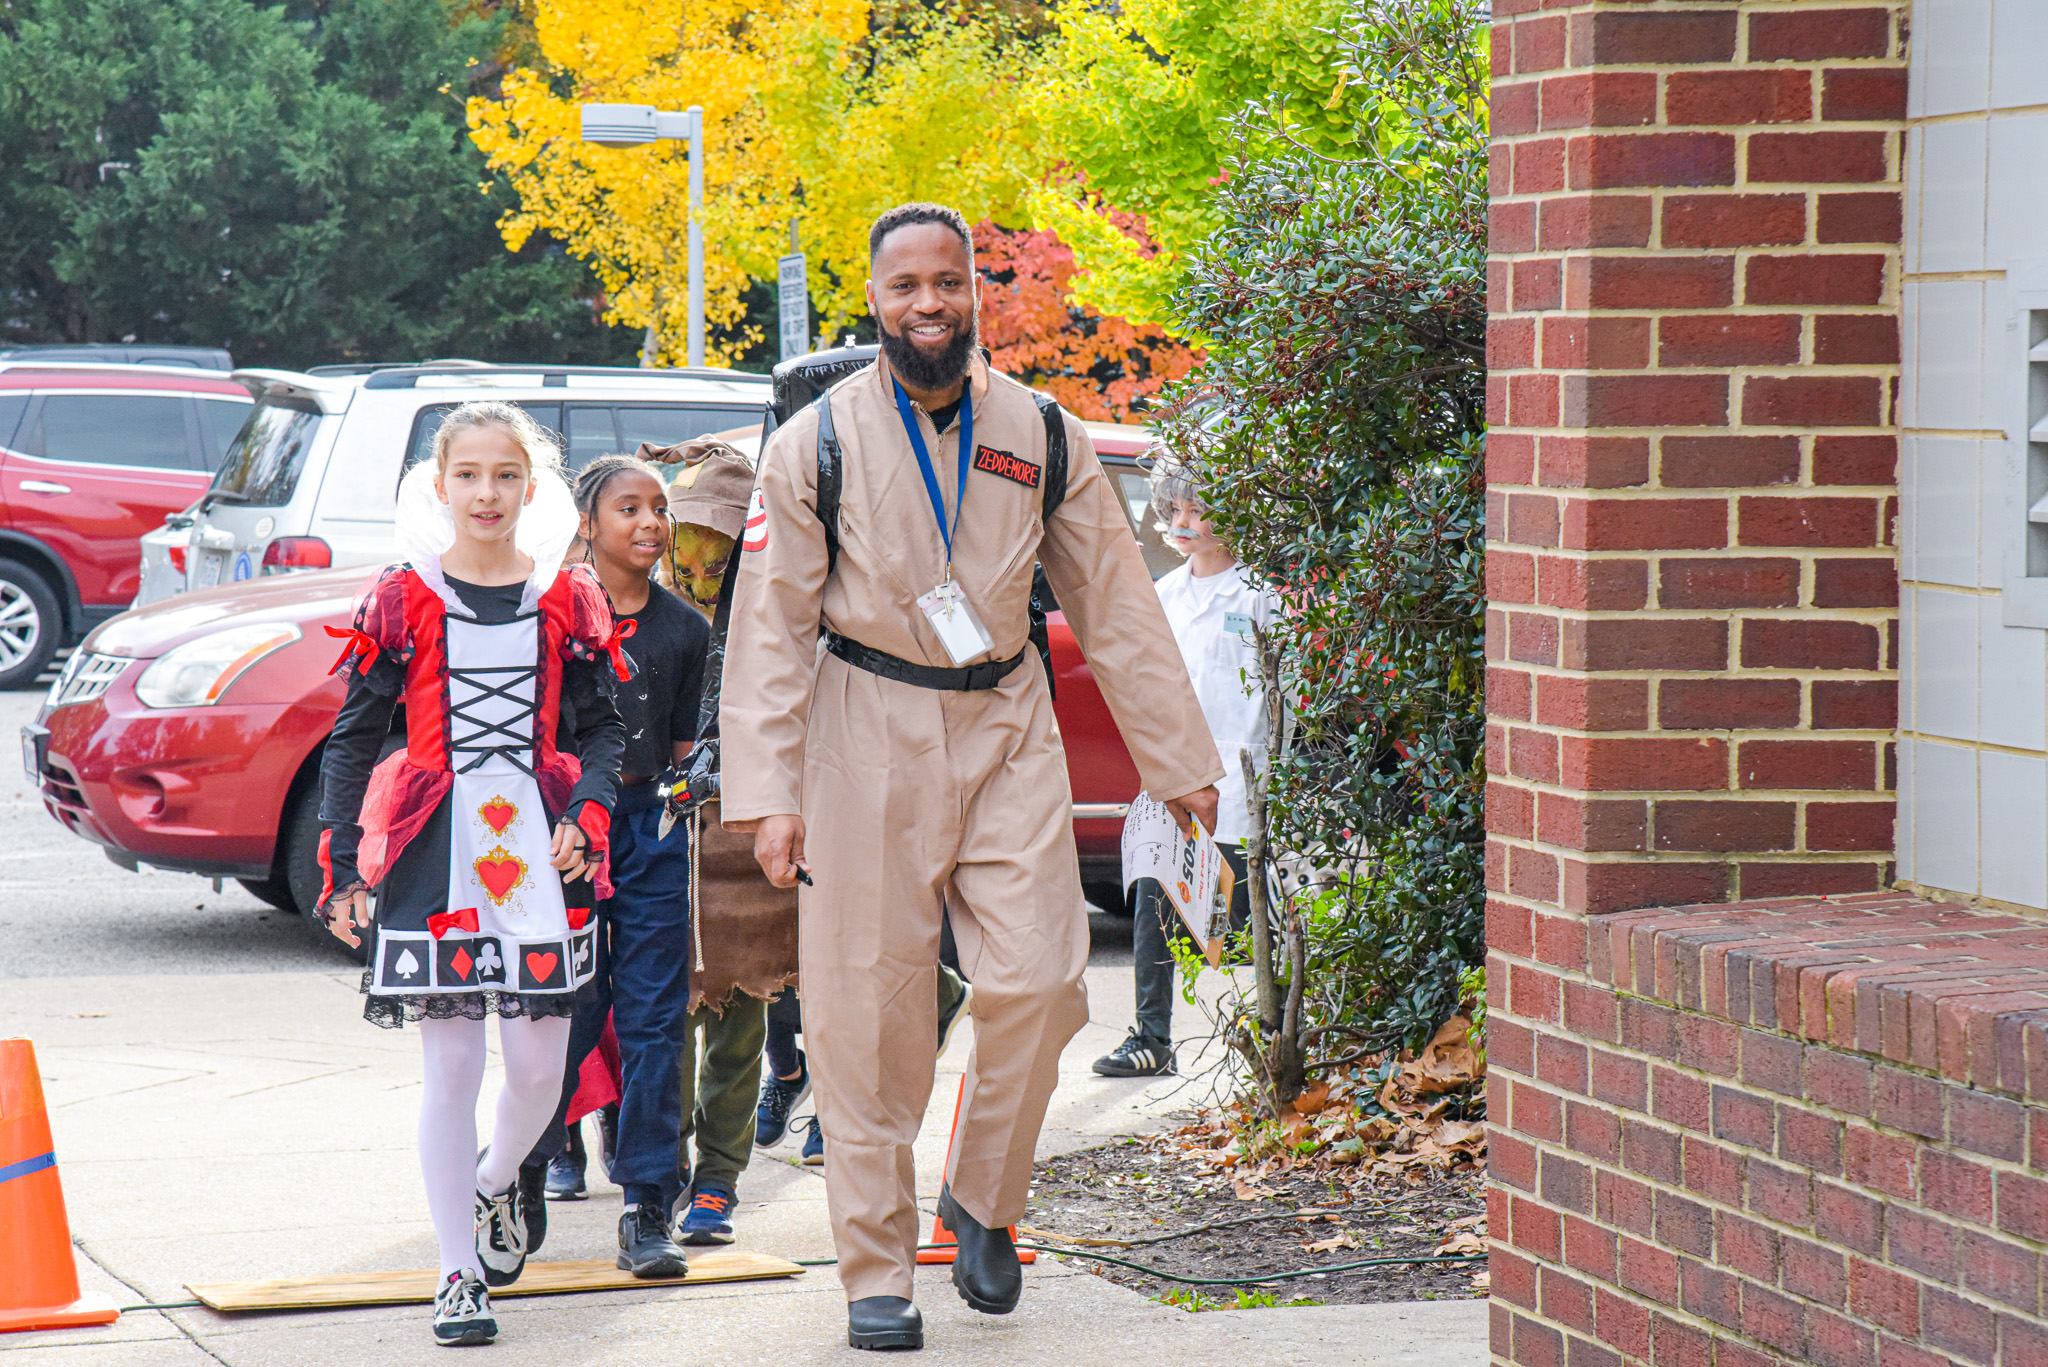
<point x="901" y="796"/>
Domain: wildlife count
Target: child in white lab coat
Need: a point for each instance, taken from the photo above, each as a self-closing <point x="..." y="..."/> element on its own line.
<point x="1212" y="603"/>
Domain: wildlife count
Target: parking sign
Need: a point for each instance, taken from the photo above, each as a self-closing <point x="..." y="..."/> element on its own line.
<point x="796" y="305"/>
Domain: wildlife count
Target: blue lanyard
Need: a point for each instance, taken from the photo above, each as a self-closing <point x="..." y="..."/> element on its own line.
<point x="924" y="460"/>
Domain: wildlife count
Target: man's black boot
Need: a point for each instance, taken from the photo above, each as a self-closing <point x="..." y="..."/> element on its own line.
<point x="884" y="1322"/>
<point x="985" y="1270"/>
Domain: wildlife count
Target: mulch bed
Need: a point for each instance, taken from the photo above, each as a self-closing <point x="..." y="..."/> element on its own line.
<point x="1142" y="1188"/>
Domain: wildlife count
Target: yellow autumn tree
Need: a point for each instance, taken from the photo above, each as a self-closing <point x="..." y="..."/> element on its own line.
<point x="824" y="112"/>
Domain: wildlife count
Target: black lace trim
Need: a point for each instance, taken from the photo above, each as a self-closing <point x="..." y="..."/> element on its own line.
<point x="393" y="1012"/>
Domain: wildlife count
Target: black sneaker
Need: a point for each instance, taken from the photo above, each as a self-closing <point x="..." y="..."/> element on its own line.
<point x="462" y="1312"/>
<point x="779" y="1097"/>
<point x="949" y="1020"/>
<point x="501" y="1235"/>
<point x="645" y="1250"/>
<point x="565" y="1170"/>
<point x="1137" y="1056"/>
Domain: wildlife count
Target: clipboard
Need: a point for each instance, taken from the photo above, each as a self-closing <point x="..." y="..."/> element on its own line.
<point x="1190" y="869"/>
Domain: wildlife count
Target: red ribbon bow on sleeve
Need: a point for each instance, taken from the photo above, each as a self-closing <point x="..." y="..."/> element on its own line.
<point x="441" y="922"/>
<point x="620" y="631"/>
<point x="359" y="642"/>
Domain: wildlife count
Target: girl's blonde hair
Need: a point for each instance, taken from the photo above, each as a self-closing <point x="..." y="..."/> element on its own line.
<point x="529" y="436"/>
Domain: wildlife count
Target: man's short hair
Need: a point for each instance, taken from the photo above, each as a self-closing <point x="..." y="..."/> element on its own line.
<point x="906" y="215"/>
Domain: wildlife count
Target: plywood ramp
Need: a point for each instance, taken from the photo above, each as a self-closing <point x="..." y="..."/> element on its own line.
<point x="418" y="1287"/>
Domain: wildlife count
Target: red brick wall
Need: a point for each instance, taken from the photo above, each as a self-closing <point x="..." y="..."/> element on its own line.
<point x="1694" y="346"/>
<point x="1805" y="1132"/>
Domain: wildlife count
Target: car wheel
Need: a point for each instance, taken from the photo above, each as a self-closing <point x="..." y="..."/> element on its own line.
<point x="276" y="892"/>
<point x="299" y="865"/>
<point x="31" y="626"/>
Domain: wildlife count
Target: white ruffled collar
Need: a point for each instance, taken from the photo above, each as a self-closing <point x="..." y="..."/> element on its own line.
<point x="426" y="529"/>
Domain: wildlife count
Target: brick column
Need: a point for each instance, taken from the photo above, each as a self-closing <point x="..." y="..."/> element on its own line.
<point x="1694" y="346"/>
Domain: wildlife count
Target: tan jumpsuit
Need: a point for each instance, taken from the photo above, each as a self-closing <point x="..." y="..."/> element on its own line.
<point x="912" y="796"/>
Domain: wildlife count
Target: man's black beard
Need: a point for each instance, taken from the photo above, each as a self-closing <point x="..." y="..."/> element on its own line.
<point x="920" y="369"/>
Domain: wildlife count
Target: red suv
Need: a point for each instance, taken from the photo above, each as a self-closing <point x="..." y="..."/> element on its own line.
<point x="91" y="458"/>
<point x="187" y="734"/>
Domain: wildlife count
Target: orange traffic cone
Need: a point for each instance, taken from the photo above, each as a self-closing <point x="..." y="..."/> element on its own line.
<point x="38" y="1279"/>
<point x="949" y="1246"/>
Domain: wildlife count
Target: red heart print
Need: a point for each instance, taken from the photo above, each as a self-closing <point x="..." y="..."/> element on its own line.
<point x="500" y="872"/>
<point x="578" y="917"/>
<point x="540" y="965"/>
<point x="497" y="814"/>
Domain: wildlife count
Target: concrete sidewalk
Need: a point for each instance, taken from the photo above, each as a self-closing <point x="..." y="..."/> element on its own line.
<point x="214" y="1128"/>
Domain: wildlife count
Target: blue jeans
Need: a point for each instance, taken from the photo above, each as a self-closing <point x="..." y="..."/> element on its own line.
<point x="649" y="912"/>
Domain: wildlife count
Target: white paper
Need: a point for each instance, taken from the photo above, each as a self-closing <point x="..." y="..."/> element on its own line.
<point x="1190" y="870"/>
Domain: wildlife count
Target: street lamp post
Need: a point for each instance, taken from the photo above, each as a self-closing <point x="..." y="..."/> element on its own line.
<point x="635" y="125"/>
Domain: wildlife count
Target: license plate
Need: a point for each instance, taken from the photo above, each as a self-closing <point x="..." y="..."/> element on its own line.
<point x="209" y="568"/>
<point x="33" y="739"/>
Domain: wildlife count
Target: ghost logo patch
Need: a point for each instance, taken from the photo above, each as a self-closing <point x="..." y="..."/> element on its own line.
<point x="1008" y="466"/>
<point x="755" y="535"/>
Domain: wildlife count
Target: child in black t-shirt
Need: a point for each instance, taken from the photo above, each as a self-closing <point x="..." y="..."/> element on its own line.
<point x="645" y="923"/>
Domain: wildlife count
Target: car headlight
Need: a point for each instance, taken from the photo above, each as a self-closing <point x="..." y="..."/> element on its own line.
<point x="196" y="673"/>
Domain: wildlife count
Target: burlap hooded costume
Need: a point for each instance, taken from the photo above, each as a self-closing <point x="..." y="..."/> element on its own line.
<point x="747" y="926"/>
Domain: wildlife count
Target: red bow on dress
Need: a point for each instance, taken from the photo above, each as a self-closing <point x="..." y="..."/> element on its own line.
<point x="441" y="922"/>
<point x="359" y="642"/>
<point x="620" y="631"/>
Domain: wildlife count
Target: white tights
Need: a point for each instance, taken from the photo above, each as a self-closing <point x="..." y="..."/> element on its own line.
<point x="534" y="1052"/>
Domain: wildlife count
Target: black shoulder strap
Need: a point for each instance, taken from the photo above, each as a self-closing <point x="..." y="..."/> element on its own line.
<point x="1054" y="489"/>
<point x="714" y="658"/>
<point x="829" y="479"/>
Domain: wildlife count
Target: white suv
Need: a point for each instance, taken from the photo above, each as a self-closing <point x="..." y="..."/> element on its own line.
<point x="311" y="481"/>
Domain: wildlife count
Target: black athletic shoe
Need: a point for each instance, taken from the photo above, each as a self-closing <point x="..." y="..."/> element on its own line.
<point x="884" y="1322"/>
<point x="1137" y="1056"/>
<point x="986" y="1271"/>
<point x="501" y="1235"/>
<point x="462" y="1312"/>
<point x="533" y="1204"/>
<point x="949" y="1021"/>
<point x="778" y="1098"/>
<point x="645" y="1250"/>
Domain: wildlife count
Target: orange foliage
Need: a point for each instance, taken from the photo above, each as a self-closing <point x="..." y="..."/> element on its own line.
<point x="1098" y="367"/>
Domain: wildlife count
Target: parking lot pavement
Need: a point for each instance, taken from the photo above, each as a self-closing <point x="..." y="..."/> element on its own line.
<point x="222" y="1111"/>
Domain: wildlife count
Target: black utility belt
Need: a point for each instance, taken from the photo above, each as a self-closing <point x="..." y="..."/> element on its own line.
<point x="969" y="679"/>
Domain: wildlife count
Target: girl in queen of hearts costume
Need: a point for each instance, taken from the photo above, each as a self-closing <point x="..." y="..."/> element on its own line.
<point x="484" y="842"/>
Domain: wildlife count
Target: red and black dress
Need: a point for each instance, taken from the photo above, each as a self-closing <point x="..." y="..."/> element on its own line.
<point x="453" y="831"/>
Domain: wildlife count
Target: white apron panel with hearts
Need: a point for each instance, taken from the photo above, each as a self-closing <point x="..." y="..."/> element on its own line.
<point x="506" y="928"/>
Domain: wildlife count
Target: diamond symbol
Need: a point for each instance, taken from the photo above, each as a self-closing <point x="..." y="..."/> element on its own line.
<point x="461" y="961"/>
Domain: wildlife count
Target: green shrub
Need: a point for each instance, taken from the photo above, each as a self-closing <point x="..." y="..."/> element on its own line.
<point x="1337" y="432"/>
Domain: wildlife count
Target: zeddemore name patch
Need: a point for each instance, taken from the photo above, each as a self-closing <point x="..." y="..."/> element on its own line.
<point x="1008" y="466"/>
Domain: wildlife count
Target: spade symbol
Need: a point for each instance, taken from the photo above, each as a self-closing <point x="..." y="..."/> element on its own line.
<point x="407" y="965"/>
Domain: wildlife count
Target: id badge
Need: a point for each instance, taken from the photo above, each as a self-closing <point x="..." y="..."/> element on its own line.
<point x="959" y="630"/>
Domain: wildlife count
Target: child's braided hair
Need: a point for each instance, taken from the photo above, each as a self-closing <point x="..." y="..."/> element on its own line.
<point x="596" y="478"/>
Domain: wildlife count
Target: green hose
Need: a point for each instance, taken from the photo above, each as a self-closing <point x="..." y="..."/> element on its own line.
<point x="1211" y="1281"/>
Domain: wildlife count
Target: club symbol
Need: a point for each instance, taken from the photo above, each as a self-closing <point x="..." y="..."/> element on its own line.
<point x="407" y="965"/>
<point x="581" y="950"/>
<point x="488" y="963"/>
